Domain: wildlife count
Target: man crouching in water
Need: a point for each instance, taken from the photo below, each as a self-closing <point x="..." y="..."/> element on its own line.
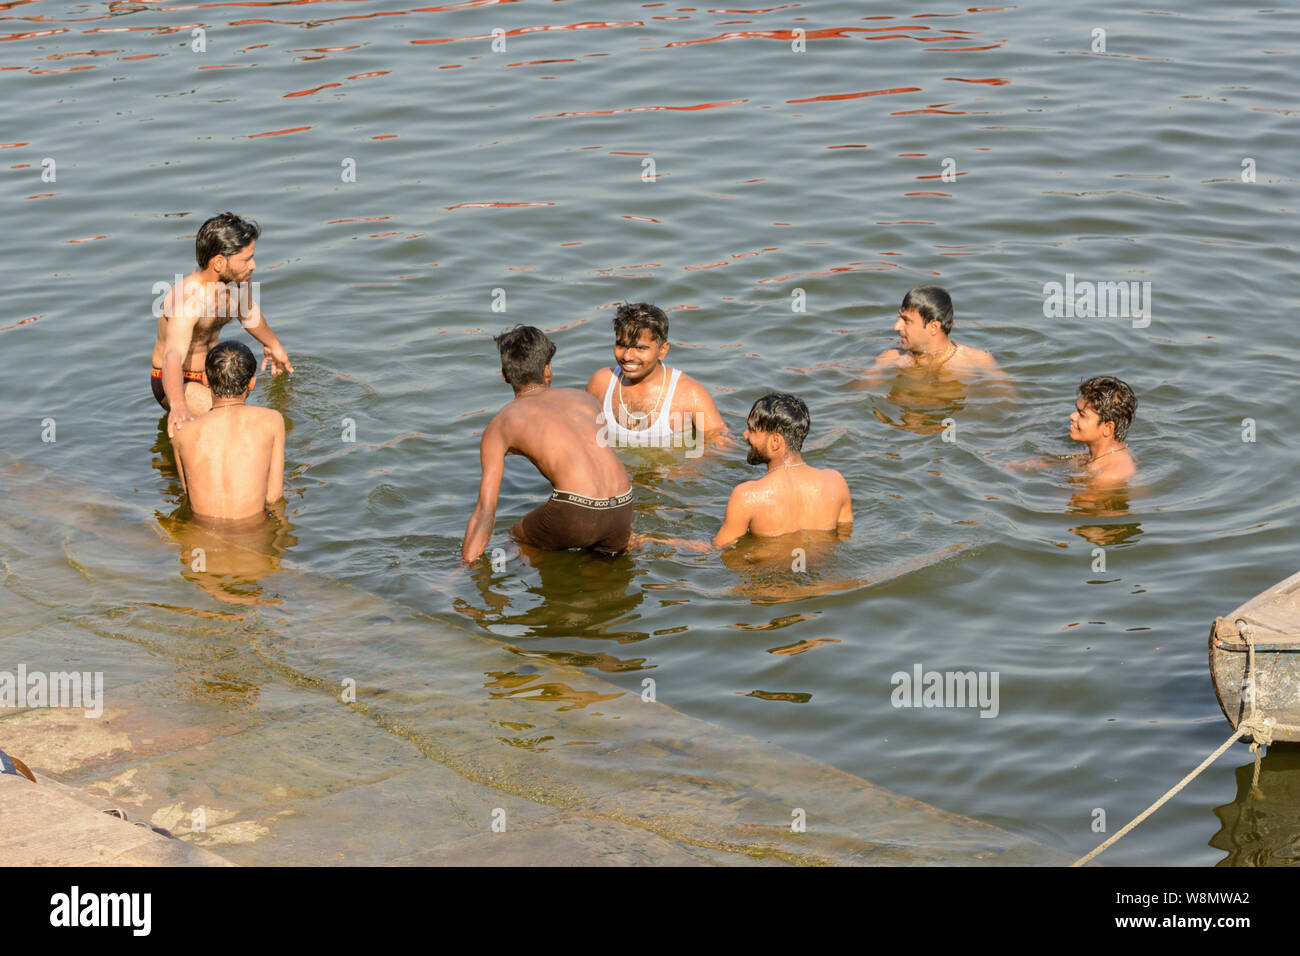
<point x="231" y="458"/>
<point x="556" y="429"/>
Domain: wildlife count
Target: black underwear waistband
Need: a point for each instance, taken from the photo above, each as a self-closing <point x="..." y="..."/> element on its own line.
<point x="582" y="501"/>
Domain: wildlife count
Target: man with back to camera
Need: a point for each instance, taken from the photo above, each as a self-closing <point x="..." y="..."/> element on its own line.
<point x="231" y="458"/>
<point x="557" y="429"/>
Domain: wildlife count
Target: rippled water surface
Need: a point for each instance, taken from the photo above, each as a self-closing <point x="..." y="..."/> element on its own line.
<point x="690" y="157"/>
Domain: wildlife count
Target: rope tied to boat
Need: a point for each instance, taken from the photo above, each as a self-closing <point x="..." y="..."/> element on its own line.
<point x="1259" y="728"/>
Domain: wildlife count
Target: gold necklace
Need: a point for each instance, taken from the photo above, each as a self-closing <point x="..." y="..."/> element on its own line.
<point x="532" y="388"/>
<point x="636" y="418"/>
<point x="952" y="350"/>
<point x="1105" y="453"/>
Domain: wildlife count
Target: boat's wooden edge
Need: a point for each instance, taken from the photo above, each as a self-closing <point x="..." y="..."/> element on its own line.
<point x="1273" y="614"/>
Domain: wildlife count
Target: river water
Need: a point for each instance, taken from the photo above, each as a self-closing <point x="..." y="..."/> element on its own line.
<point x="777" y="192"/>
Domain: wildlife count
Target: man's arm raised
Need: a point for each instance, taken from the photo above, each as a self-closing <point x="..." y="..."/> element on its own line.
<point x="492" y="456"/>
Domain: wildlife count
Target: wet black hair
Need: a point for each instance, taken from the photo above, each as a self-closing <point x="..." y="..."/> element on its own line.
<point x="784" y="414"/>
<point x="632" y="319"/>
<point x="223" y="235"/>
<point x="933" y="303"/>
<point x="1113" y="401"/>
<point x="230" y="367"/>
<point x="525" y="353"/>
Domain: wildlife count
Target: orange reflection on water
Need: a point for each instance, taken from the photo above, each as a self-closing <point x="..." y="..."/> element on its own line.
<point x="32" y="35"/>
<point x="854" y="96"/>
<point x="278" y="132"/>
<point x="496" y="205"/>
<point x="64" y="56"/>
<point x="18" y="323"/>
<point x="317" y="89"/>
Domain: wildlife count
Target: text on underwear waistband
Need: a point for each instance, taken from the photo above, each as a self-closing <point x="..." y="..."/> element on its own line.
<point x="582" y="501"/>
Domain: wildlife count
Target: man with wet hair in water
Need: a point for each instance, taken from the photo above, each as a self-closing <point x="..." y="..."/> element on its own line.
<point x="1102" y="415"/>
<point x="793" y="495"/>
<point x="644" y="402"/>
<point x="557" y="430"/>
<point x="231" y="458"/>
<point x="192" y="313"/>
<point x="925" y="320"/>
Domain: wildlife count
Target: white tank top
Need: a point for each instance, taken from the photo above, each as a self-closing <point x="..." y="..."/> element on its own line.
<point x="660" y="432"/>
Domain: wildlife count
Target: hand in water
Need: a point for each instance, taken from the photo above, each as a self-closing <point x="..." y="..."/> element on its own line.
<point x="278" y="358"/>
<point x="177" y="418"/>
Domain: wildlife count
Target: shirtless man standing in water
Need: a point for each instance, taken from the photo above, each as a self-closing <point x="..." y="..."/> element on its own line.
<point x="557" y="430"/>
<point x="231" y="459"/>
<point x="924" y="320"/>
<point x="192" y="313"/>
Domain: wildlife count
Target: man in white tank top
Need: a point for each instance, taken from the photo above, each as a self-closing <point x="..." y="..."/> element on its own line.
<point x="645" y="403"/>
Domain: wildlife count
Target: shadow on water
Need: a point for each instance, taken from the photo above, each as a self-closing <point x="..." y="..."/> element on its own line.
<point x="1261" y="827"/>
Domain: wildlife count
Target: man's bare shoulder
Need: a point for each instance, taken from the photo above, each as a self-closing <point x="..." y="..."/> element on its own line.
<point x="1116" y="473"/>
<point x="692" y="394"/>
<point x="747" y="490"/>
<point x="831" y="476"/>
<point x="264" y="417"/>
<point x="599" y="381"/>
<point x="889" y="357"/>
<point x="977" y="358"/>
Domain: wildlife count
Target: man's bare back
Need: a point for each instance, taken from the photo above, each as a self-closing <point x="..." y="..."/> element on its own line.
<point x="785" y="500"/>
<point x="559" y="430"/>
<point x="231" y="460"/>
<point x="556" y="429"/>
